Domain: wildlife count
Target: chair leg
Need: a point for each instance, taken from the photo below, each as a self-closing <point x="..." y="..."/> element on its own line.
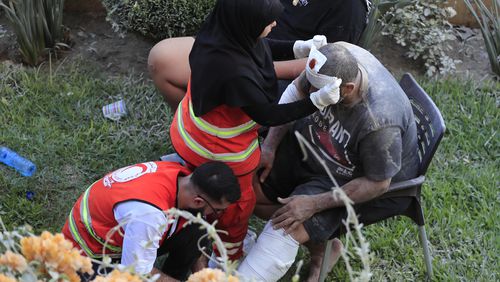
<point x="324" y="264"/>
<point x="425" y="246"/>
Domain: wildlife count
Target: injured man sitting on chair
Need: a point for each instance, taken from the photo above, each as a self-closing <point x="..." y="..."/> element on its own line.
<point x="367" y="139"/>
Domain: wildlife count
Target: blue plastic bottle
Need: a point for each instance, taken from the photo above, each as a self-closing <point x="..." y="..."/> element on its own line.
<point x="12" y="159"/>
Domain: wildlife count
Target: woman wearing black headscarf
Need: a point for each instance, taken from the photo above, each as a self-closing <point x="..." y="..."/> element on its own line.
<point x="232" y="65"/>
<point x="232" y="90"/>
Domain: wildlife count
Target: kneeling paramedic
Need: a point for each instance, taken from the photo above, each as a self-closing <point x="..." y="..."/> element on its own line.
<point x="134" y="198"/>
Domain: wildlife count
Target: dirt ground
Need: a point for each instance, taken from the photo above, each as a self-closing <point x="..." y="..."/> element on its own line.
<point x="93" y="40"/>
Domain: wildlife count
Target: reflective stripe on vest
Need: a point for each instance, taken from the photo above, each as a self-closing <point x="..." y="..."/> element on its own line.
<point x="78" y="239"/>
<point x="87" y="221"/>
<point x="204" y="152"/>
<point x="213" y="130"/>
<point x="232" y="248"/>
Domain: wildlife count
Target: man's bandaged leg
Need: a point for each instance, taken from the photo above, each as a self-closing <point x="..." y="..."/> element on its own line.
<point x="271" y="257"/>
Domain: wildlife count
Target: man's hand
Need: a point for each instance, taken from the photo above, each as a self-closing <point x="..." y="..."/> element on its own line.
<point x="266" y="162"/>
<point x="295" y="211"/>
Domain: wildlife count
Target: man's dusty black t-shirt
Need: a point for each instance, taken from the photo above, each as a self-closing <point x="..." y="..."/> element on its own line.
<point x="375" y="138"/>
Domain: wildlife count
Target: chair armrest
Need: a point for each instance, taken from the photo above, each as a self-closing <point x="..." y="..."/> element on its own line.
<point x="406" y="184"/>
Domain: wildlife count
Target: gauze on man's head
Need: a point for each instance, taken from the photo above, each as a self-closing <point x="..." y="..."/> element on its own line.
<point x="314" y="63"/>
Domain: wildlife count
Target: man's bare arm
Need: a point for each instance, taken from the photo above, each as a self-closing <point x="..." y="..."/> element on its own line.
<point x="268" y="148"/>
<point x="359" y="190"/>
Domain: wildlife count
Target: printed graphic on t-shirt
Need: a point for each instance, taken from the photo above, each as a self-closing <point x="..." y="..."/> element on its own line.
<point x="303" y="2"/>
<point x="331" y="139"/>
<point x="128" y="173"/>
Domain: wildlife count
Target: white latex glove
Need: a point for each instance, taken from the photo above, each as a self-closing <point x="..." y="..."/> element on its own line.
<point x="302" y="48"/>
<point x="327" y="95"/>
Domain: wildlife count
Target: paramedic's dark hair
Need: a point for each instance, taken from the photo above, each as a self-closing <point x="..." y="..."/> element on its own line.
<point x="217" y="181"/>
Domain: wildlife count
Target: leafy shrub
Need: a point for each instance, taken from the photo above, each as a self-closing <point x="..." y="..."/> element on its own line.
<point x="424" y="28"/>
<point x="158" y="19"/>
<point x="379" y="19"/>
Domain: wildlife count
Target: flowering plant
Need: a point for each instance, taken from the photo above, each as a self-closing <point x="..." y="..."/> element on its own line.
<point x="211" y="275"/>
<point x="26" y="257"/>
<point x="424" y="28"/>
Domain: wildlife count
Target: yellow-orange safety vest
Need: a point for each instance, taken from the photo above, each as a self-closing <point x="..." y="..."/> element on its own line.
<point x="224" y="134"/>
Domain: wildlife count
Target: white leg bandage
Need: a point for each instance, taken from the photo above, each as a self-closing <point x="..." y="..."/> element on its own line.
<point x="271" y="257"/>
<point x="248" y="243"/>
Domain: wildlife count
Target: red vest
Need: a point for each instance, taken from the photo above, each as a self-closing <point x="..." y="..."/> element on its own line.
<point x="92" y="217"/>
<point x="224" y="134"/>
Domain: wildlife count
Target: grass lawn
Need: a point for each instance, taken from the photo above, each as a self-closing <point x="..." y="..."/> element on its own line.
<point x="55" y="119"/>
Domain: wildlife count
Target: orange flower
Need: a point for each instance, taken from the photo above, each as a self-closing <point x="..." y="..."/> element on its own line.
<point x="211" y="275"/>
<point x="55" y="253"/>
<point x="4" y="278"/>
<point x="14" y="261"/>
<point x="118" y="276"/>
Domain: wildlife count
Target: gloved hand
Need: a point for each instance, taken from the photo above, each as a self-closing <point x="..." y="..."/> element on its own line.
<point x="301" y="48"/>
<point x="327" y="95"/>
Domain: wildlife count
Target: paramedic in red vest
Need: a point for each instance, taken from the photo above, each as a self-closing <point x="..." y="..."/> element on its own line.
<point x="233" y="89"/>
<point x="134" y="197"/>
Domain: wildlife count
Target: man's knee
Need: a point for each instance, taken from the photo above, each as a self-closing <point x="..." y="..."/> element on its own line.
<point x="300" y="234"/>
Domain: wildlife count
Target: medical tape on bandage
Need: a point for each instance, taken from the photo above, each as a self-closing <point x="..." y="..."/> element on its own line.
<point x="314" y="63"/>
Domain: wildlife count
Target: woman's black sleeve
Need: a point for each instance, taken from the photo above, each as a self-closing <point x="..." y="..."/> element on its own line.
<point x="278" y="114"/>
<point x="281" y="49"/>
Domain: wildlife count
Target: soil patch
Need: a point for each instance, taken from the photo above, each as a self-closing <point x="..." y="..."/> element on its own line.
<point x="94" y="40"/>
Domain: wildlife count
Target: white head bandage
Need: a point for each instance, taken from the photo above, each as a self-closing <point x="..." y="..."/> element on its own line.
<point x="314" y="63"/>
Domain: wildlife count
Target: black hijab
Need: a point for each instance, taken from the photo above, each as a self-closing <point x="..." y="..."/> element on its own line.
<point x="230" y="64"/>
